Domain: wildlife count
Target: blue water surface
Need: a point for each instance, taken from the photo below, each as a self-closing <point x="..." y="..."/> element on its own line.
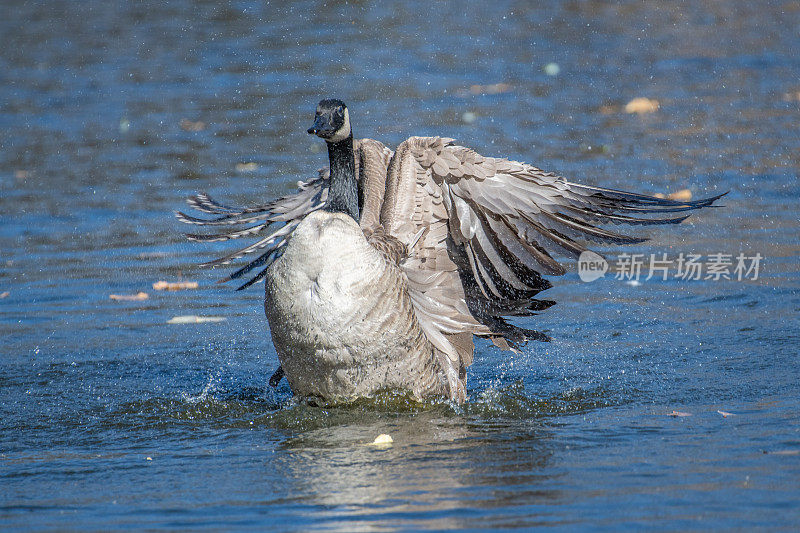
<point x="663" y="404"/>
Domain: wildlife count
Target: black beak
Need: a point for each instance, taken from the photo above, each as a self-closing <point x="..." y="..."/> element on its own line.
<point x="321" y="126"/>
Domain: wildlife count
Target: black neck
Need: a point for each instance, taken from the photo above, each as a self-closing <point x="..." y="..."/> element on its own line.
<point x="343" y="190"/>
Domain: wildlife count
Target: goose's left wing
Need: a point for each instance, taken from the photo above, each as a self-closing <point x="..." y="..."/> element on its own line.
<point x="371" y="161"/>
<point x="257" y="221"/>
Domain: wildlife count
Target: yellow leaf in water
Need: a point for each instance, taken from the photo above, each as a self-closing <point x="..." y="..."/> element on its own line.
<point x="683" y="195"/>
<point x="246" y="167"/>
<point x="382" y="441"/>
<point x="129" y="297"/>
<point x="174" y="285"/>
<point x="642" y="105"/>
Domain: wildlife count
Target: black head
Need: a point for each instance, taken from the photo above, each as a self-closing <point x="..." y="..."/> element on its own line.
<point x="332" y="121"/>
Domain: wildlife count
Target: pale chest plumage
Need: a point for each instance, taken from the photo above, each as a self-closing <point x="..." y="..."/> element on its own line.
<point x="341" y="319"/>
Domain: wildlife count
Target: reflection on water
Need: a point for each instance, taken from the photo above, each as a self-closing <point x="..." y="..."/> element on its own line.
<point x="351" y="479"/>
<point x="440" y="455"/>
<point x="111" y="113"/>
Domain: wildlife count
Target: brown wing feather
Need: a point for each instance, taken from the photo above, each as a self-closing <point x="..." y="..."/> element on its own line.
<point x="414" y="203"/>
<point x="494" y="227"/>
<point x="372" y="160"/>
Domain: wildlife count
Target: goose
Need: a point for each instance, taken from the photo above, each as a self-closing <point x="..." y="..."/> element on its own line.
<point x="380" y="271"/>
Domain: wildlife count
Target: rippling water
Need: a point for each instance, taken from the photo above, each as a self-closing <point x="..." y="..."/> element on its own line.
<point x="112" y="418"/>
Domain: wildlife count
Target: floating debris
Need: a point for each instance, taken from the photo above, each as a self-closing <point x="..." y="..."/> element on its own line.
<point x="4" y="294"/>
<point x="792" y="97"/>
<point x="469" y="117"/>
<point x="191" y="125"/>
<point x="726" y="414"/>
<point x="124" y="125"/>
<point x="152" y="255"/>
<point x="21" y="174"/>
<point x="641" y="106"/>
<point x="683" y="195"/>
<point x="494" y="88"/>
<point x="174" y="285"/>
<point x="679" y="414"/>
<point x="552" y="69"/>
<point x="783" y="452"/>
<point x="246" y="167"/>
<point x="129" y="297"/>
<point x="382" y="441"/>
<point x="595" y="148"/>
<point x="149" y="459"/>
<point x="195" y="319"/>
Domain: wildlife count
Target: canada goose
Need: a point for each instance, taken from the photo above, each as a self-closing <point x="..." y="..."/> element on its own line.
<point x="388" y="263"/>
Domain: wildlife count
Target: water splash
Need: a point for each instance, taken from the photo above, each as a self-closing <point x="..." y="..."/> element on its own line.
<point x="211" y="387"/>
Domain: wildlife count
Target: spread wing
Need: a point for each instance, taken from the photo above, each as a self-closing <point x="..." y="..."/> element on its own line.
<point x="272" y="223"/>
<point x="494" y="226"/>
<point x="256" y="221"/>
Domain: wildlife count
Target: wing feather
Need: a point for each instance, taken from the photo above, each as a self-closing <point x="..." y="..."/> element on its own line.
<point x="372" y="159"/>
<point x="288" y="210"/>
<point x="505" y="221"/>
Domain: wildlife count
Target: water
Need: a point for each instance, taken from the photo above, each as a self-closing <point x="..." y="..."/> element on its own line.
<point x="112" y="418"/>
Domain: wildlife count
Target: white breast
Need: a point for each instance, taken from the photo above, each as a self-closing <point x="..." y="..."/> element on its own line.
<point x="318" y="281"/>
<point x="341" y="320"/>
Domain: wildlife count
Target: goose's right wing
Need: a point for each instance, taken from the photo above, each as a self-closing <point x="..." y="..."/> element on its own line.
<point x="288" y="210"/>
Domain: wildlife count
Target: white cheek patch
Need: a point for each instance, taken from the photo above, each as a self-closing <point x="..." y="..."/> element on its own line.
<point x="343" y="132"/>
